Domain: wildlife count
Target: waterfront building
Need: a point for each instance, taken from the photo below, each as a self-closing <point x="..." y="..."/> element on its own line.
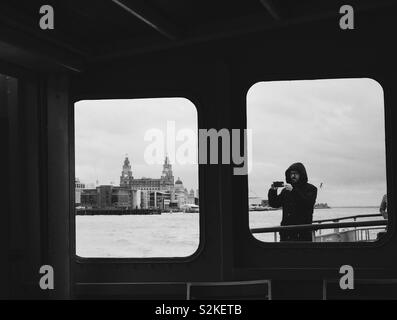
<point x="164" y="183"/>
<point x="136" y="199"/>
<point x="145" y="193"/>
<point x="107" y="197"/>
<point x="181" y="193"/>
<point x="190" y="197"/>
<point x="149" y="184"/>
<point x="121" y="198"/>
<point x="89" y="198"/>
<point x="78" y="187"/>
<point x="159" y="200"/>
<point x="104" y="196"/>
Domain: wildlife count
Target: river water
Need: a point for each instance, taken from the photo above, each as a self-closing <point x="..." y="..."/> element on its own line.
<point x="167" y="235"/>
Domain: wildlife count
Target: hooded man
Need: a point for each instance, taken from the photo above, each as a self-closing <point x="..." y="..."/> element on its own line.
<point x="297" y="200"/>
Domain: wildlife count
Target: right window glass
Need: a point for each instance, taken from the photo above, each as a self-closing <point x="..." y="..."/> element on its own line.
<point x="318" y="161"/>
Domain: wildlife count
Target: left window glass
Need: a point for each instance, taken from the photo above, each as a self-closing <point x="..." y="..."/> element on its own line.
<point x="136" y="178"/>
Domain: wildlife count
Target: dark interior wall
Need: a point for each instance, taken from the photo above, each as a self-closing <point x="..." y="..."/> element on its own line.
<point x="59" y="199"/>
<point x="4" y="194"/>
<point x="37" y="139"/>
<point x="31" y="169"/>
<point x="21" y="234"/>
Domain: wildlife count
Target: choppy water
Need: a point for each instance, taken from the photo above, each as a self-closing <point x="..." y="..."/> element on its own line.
<point x="166" y="235"/>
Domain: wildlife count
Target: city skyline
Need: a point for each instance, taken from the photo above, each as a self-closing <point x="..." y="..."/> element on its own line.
<point x="134" y="177"/>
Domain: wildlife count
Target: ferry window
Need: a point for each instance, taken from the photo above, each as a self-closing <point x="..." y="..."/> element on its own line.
<point x="318" y="161"/>
<point x="136" y="178"/>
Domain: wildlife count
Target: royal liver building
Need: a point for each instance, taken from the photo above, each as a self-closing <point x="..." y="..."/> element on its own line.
<point x="156" y="193"/>
<point x="164" y="183"/>
<point x="143" y="193"/>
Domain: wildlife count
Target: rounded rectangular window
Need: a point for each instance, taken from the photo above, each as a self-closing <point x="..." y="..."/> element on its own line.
<point x="318" y="161"/>
<point x="136" y="184"/>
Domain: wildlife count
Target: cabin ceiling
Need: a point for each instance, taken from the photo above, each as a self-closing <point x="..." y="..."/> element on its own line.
<point x="102" y="30"/>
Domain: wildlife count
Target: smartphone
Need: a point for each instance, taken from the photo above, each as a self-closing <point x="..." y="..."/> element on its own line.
<point x="278" y="184"/>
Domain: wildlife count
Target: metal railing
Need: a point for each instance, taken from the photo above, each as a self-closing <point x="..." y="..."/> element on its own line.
<point x="355" y="217"/>
<point x="336" y="225"/>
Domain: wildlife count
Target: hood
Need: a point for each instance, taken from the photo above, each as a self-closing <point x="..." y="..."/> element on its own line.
<point x="296" y="167"/>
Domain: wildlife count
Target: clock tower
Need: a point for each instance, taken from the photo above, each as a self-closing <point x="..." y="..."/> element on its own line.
<point x="167" y="177"/>
<point x="126" y="174"/>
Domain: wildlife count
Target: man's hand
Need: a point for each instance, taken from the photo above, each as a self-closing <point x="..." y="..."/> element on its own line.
<point x="273" y="187"/>
<point x="288" y="187"/>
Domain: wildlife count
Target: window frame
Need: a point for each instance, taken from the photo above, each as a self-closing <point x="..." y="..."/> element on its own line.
<point x="391" y="225"/>
<point x="195" y="101"/>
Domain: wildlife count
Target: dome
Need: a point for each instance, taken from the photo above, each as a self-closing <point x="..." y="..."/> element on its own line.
<point x="178" y="181"/>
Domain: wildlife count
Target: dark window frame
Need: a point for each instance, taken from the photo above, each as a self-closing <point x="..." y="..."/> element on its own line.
<point x="132" y="260"/>
<point x="391" y="226"/>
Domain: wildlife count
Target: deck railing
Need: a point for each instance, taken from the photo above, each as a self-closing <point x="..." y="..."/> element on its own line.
<point x="319" y="225"/>
<point x="355" y="217"/>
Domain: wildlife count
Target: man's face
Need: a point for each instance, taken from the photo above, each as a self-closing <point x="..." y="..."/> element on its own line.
<point x="294" y="175"/>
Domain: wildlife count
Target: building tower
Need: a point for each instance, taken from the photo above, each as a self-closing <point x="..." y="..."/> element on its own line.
<point x="180" y="194"/>
<point x="167" y="176"/>
<point x="126" y="174"/>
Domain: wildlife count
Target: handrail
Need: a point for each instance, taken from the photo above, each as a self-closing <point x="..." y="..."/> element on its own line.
<point x="312" y="227"/>
<point x="350" y="217"/>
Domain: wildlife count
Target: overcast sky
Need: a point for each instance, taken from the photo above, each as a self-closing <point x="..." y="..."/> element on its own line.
<point x="334" y="127"/>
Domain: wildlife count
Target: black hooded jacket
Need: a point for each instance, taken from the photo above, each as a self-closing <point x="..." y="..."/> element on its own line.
<point x="297" y="204"/>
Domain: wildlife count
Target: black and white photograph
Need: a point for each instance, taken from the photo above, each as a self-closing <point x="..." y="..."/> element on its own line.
<point x="198" y="158"/>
